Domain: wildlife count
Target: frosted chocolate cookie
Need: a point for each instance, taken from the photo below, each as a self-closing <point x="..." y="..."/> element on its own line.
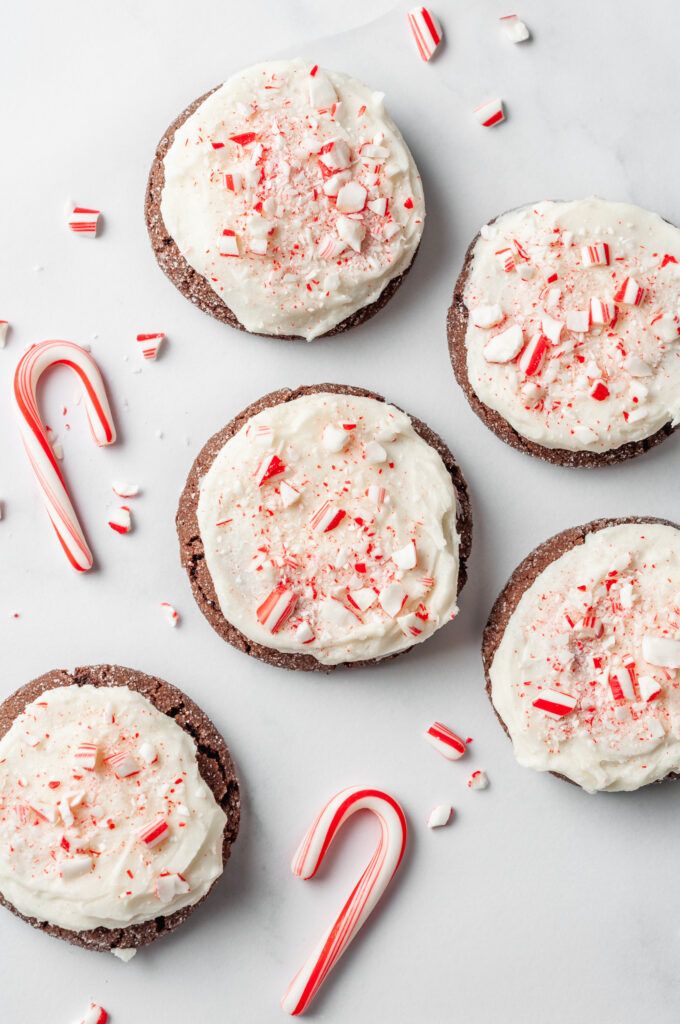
<point x="119" y="805"/>
<point x="564" y="330"/>
<point x="324" y="527"/>
<point x="285" y="202"/>
<point x="582" y="652"/>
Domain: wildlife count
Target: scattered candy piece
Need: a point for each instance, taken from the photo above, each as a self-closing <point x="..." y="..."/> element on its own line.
<point x="171" y="614"/>
<point x="531" y="359"/>
<point x="602" y="312"/>
<point x="4" y="327"/>
<point x="595" y="255"/>
<point x="168" y="885"/>
<point x="599" y="391"/>
<point x="426" y="31"/>
<point x="155" y="833"/>
<point x="486" y="316"/>
<point x="555" y="703"/>
<point x="504" y="347"/>
<point x="515" y="29"/>
<point x="578" y="320"/>
<point x="649" y="688"/>
<point x="490" y="113"/>
<point x="34" y="362"/>
<point x="229" y="243"/>
<point x="447" y="743"/>
<point x="123" y="764"/>
<point x="75" y="867"/>
<point x="661" y="651"/>
<point x="630" y="293"/>
<point x="270" y="466"/>
<point x="304" y="633"/>
<point x="439" y="816"/>
<point x="276" y="608"/>
<point x="84" y="221"/>
<point x="326" y="518"/>
<point x="392" y="599"/>
<point x="86" y="756"/>
<point x="125" y="490"/>
<point x="94" y="1015"/>
<point x="478" y="780"/>
<point x="288" y="494"/>
<point x="151" y="344"/>
<point x="406" y="557"/>
<point x="365" y="894"/>
<point x="120" y="519"/>
<point x="666" y="327"/>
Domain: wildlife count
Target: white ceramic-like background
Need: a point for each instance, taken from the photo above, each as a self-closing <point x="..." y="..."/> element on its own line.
<point x="540" y="904"/>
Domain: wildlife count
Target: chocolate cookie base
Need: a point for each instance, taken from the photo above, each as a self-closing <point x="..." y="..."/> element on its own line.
<point x="214" y="763"/>
<point x="192" y="284"/>
<point x="522" y="578"/>
<point x="456" y="329"/>
<point x="192" y="552"/>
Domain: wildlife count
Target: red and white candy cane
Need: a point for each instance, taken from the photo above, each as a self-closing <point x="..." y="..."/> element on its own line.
<point x="367" y="891"/>
<point x="36" y="361"/>
<point x="426" y="31"/>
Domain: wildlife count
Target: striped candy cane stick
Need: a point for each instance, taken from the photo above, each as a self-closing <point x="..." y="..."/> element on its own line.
<point x="36" y="361"/>
<point x="364" y="896"/>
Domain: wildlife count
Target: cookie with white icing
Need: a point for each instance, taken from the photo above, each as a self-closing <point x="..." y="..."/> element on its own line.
<point x="582" y="655"/>
<point x="564" y="331"/>
<point x="324" y="527"/>
<point x="286" y="202"/>
<point x="119" y="804"/>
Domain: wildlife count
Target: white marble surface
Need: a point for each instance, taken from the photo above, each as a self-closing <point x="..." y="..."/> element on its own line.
<point x="539" y="903"/>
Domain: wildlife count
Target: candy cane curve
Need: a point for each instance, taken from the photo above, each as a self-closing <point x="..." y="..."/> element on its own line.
<point x="32" y="365"/>
<point x="365" y="895"/>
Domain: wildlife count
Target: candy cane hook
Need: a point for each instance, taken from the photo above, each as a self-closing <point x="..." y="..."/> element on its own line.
<point x="364" y="896"/>
<point x="34" y="362"/>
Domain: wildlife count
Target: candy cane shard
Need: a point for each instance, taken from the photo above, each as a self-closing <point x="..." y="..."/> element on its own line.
<point x="34" y="362"/>
<point x="364" y="896"/>
<point x="426" y="31"/>
<point x="490" y="113"/>
<point x="94" y="1015"/>
<point x="84" y="221"/>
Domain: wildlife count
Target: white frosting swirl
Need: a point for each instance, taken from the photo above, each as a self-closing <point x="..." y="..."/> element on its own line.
<point x="304" y="256"/>
<point x="357" y="467"/>
<point x="70" y="850"/>
<point x="636" y="358"/>
<point x="624" y="732"/>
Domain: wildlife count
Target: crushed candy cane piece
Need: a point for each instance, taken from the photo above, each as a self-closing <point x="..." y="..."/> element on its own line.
<point x="406" y="557"/>
<point x="439" y="816"/>
<point x="270" y="466"/>
<point x="120" y="519"/>
<point x="555" y="703"/>
<point x="304" y="633"/>
<point x="94" y="1015"/>
<point x="288" y="494"/>
<point x="276" y="608"/>
<point x="486" y="316"/>
<point x="425" y="30"/>
<point x="578" y="321"/>
<point x="648" y="687"/>
<point x="531" y="359"/>
<point x="4" y="327"/>
<point x="392" y="599"/>
<point x="351" y="198"/>
<point x="168" y="885"/>
<point x="595" y="255"/>
<point x="515" y="29"/>
<point x="171" y="614"/>
<point x="326" y="518"/>
<point x="504" y="347"/>
<point x="321" y="91"/>
<point x="444" y="741"/>
<point x="155" y="833"/>
<point x="151" y="344"/>
<point x="661" y="651"/>
<point x="125" y="490"/>
<point x="86" y="756"/>
<point x="666" y="327"/>
<point x="602" y="312"/>
<point x="123" y="763"/>
<point x="229" y="243"/>
<point x="630" y="293"/>
<point x="490" y="113"/>
<point x="84" y="222"/>
<point x="599" y="391"/>
<point x="334" y="439"/>
<point x="478" y="780"/>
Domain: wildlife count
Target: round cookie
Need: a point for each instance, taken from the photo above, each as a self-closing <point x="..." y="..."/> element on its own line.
<point x="286" y="202"/>
<point x="315" y="407"/>
<point x="546" y="374"/>
<point x="158" y="887"/>
<point x="571" y="657"/>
